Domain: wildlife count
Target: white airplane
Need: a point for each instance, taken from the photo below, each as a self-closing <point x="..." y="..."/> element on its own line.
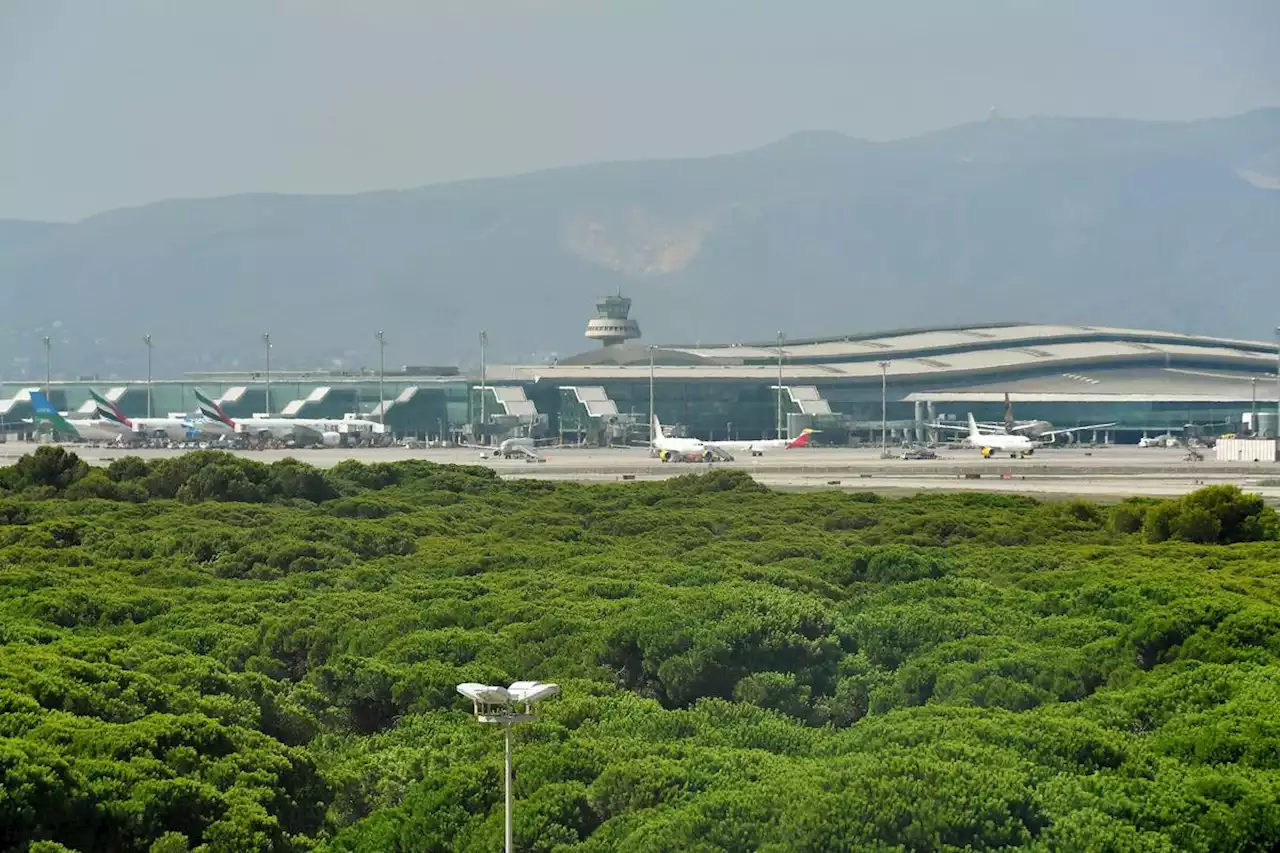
<point x="758" y="447"/>
<point x="678" y="449"/>
<point x="172" y="428"/>
<point x="326" y="431"/>
<point x="991" y="443"/>
<point x="1038" y="430"/>
<point x="1043" y="430"/>
<point x="521" y="445"/>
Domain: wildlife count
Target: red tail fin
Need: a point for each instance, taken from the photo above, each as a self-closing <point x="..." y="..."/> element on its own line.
<point x="801" y="440"/>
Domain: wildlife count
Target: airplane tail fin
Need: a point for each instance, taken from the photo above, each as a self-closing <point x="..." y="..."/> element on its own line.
<point x="109" y="410"/>
<point x="803" y="439"/>
<point x="973" y="428"/>
<point x="655" y="427"/>
<point x="212" y="410"/>
<point x="109" y="415"/>
<point x="40" y="404"/>
<point x="1008" y="415"/>
<point x="45" y="411"/>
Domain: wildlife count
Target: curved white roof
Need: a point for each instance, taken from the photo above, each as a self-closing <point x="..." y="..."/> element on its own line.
<point x="921" y="355"/>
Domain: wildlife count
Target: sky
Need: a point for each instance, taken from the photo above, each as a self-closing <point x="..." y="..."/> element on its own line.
<point x="120" y="103"/>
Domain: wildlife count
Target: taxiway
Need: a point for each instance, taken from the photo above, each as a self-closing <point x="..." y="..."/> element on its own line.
<point x="1103" y="472"/>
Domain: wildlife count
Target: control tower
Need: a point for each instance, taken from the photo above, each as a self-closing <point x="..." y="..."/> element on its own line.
<point x="611" y="326"/>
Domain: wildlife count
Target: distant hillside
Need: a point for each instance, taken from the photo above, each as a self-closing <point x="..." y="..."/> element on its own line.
<point x="16" y="232"/>
<point x="1164" y="225"/>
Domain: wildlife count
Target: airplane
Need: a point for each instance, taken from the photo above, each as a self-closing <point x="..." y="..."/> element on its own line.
<point x="1166" y="440"/>
<point x="96" y="429"/>
<point x="1043" y="430"/>
<point x="758" y="447"/>
<point x="1039" y="430"/>
<point x="993" y="442"/>
<point x="517" y="446"/>
<point x="327" y="431"/>
<point x="679" y="449"/>
<point x="171" y="428"/>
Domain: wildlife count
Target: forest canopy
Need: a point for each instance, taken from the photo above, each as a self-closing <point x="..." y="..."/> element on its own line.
<point x="206" y="653"/>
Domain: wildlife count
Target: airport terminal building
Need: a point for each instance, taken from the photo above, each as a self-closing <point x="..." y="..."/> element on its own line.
<point x="1146" y="382"/>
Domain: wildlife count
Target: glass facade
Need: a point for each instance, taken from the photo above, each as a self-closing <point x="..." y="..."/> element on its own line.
<point x="414" y="408"/>
<point x="709" y="409"/>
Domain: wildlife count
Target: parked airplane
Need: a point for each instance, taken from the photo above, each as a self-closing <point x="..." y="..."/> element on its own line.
<point x="185" y="428"/>
<point x="694" y="449"/>
<point x="518" y="446"/>
<point x="679" y="449"/>
<point x="1040" y="430"/>
<point x="96" y="429"/>
<point x="758" y="448"/>
<point x="328" y="431"/>
<point x="992" y="442"/>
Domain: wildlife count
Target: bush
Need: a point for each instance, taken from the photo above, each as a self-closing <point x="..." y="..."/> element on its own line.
<point x="1127" y="517"/>
<point x="896" y="564"/>
<point x="1221" y="514"/>
<point x="49" y="467"/>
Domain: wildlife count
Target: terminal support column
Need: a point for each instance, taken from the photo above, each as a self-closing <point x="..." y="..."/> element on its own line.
<point x="781" y="338"/>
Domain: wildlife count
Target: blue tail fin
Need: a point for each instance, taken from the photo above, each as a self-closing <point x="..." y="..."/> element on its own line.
<point x="40" y="403"/>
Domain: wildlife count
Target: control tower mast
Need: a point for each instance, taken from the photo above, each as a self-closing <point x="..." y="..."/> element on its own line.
<point x="612" y="326"/>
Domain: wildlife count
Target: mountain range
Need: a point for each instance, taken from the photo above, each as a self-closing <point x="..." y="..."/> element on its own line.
<point x="1165" y="225"/>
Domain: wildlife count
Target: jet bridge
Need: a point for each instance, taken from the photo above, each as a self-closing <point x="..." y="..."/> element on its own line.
<point x="511" y="400"/>
<point x="807" y="398"/>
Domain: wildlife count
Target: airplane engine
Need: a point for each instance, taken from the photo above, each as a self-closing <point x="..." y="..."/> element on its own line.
<point x="707" y="456"/>
<point x="986" y="452"/>
<point x="331" y="439"/>
<point x="666" y="456"/>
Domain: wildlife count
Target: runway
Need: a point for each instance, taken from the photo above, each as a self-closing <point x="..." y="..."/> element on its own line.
<point x="1102" y="472"/>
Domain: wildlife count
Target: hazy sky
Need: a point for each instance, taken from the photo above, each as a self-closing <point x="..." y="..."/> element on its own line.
<point x="105" y="103"/>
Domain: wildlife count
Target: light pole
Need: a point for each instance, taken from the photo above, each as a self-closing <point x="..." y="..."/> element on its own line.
<point x="266" y="341"/>
<point x="1253" y="412"/>
<point x="781" y="338"/>
<point x="652" y="414"/>
<point x="48" y="362"/>
<point x="884" y="406"/>
<point x="147" y="340"/>
<point x="382" y="372"/>
<point x="484" y="431"/>
<point x="1277" y="431"/>
<point x="507" y="707"/>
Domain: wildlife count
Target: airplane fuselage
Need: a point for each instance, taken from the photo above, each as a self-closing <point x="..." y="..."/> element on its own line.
<point x="304" y="429"/>
<point x="681" y="449"/>
<point x="180" y="429"/>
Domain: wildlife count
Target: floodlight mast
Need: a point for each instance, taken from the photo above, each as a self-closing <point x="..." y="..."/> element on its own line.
<point x="507" y="707"/>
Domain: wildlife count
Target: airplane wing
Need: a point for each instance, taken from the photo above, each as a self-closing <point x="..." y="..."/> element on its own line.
<point x="304" y="429"/>
<point x="956" y="427"/>
<point x="1069" y="430"/>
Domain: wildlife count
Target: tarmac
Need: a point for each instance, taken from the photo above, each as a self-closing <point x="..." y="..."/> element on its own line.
<point x="1100" y="472"/>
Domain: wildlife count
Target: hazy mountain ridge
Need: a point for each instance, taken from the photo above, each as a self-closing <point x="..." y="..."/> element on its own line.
<point x="1167" y="225"/>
